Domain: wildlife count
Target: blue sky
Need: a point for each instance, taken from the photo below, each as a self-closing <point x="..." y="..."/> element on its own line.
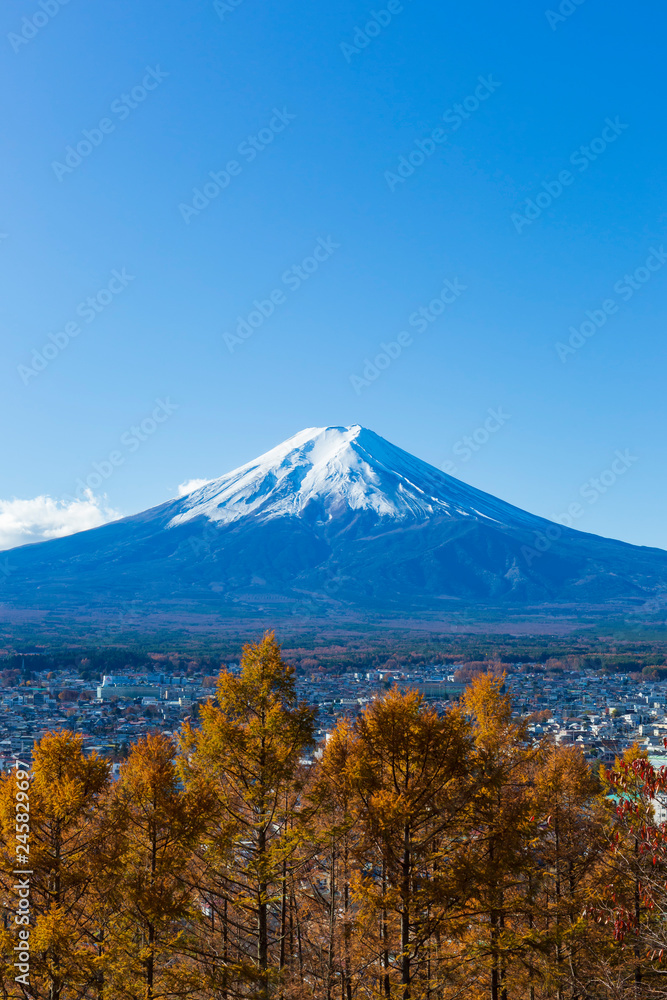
<point x="349" y="189"/>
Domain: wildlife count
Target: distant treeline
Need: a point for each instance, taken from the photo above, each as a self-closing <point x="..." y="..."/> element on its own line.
<point x="416" y="856"/>
<point x="92" y="664"/>
<point x="308" y="654"/>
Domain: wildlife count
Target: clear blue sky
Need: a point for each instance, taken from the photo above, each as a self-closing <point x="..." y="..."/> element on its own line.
<point x="198" y="82"/>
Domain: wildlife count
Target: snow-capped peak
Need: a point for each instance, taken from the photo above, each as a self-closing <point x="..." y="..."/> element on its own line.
<point x="330" y="469"/>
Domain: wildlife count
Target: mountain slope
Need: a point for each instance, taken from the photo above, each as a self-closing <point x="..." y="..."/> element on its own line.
<point x="341" y="521"/>
<point x="334" y="468"/>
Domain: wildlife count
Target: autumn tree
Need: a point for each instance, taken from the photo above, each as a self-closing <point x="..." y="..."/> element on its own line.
<point x="248" y="750"/>
<point x="411" y="770"/>
<point x="157" y="826"/>
<point x="66" y="832"/>
<point x="418" y="854"/>
<point x="563" y="876"/>
<point x="633" y="905"/>
<point x="498" y="853"/>
<point x="334" y="956"/>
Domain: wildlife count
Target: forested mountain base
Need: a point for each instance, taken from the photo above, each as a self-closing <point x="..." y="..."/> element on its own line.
<point x="418" y="856"/>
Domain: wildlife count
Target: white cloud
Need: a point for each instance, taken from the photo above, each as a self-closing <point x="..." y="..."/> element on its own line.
<point x="191" y="484"/>
<point x="36" y="520"/>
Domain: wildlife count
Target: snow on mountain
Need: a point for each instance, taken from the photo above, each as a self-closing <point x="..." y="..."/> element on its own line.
<point x="337" y="468"/>
<point x="339" y="522"/>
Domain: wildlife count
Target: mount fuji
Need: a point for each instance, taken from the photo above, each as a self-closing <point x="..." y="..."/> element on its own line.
<point x="335" y="524"/>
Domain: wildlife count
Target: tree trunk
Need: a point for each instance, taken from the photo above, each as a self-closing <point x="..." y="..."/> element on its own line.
<point x="150" y="960"/>
<point x="225" y="946"/>
<point x="559" y="953"/>
<point x="262" y="915"/>
<point x="638" y="968"/>
<point x="332" y="920"/>
<point x="493" y="920"/>
<point x="384" y="934"/>
<point x="56" y="983"/>
<point x="283" y="915"/>
<point x="405" y="914"/>
<point x="347" y="931"/>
